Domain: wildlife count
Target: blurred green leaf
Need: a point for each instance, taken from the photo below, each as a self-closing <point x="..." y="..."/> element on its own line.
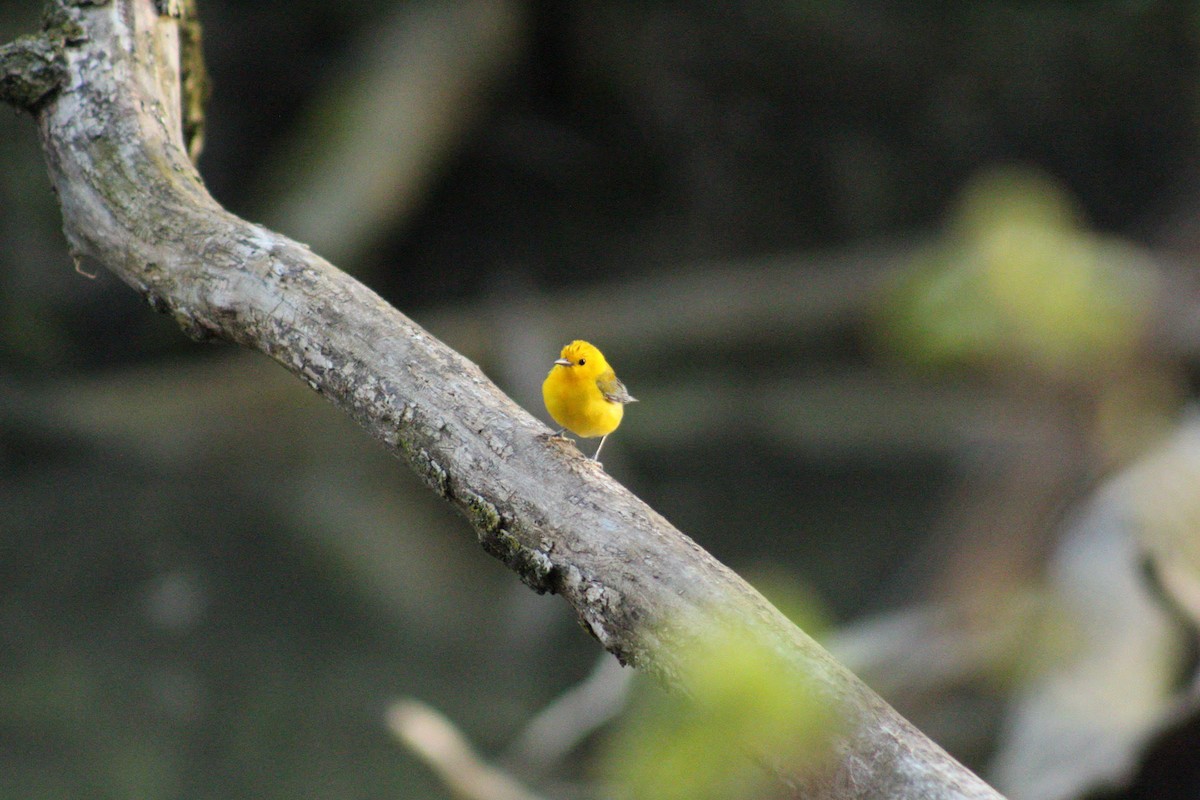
<point x="746" y="713"/>
<point x="1017" y="281"/>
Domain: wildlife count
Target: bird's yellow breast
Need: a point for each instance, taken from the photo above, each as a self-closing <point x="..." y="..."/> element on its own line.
<point x="575" y="401"/>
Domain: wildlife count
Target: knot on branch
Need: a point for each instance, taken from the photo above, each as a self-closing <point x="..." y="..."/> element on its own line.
<point x="33" y="67"/>
<point x="31" y="70"/>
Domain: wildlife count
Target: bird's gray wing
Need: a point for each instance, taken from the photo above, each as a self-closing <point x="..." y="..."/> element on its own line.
<point x="613" y="390"/>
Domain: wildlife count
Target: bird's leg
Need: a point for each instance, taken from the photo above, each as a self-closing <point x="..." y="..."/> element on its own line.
<point x="596" y="457"/>
<point x="560" y="434"/>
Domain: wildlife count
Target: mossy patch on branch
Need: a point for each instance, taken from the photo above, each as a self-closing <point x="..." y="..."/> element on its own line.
<point x="31" y="69"/>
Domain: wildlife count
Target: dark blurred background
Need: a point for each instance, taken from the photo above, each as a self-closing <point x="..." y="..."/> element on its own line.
<point x="900" y="286"/>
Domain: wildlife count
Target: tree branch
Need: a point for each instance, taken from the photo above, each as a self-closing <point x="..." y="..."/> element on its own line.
<point x="436" y="741"/>
<point x="133" y="202"/>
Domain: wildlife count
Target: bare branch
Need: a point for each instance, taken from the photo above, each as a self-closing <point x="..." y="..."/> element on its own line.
<point x="133" y="202"/>
<point x="572" y="716"/>
<point x="413" y="92"/>
<point x="433" y="738"/>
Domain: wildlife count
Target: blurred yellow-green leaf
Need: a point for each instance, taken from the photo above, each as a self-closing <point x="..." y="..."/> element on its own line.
<point x="1017" y="281"/>
<point x="672" y="746"/>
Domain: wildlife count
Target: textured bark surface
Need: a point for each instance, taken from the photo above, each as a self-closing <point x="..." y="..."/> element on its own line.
<point x="133" y="203"/>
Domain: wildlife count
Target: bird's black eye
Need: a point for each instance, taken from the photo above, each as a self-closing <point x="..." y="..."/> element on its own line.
<point x="582" y="361"/>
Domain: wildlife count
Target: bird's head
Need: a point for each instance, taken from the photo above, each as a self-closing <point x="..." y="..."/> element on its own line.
<point x="583" y="358"/>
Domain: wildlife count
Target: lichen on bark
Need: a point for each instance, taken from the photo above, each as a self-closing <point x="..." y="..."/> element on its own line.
<point x="31" y="69"/>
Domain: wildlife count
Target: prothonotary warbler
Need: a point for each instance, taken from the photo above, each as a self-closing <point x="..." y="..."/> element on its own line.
<point x="583" y="393"/>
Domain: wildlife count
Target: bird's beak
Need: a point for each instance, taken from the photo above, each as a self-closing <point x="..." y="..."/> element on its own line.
<point x="564" y="362"/>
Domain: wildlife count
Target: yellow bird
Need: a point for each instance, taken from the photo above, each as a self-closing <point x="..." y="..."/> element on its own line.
<point x="583" y="393"/>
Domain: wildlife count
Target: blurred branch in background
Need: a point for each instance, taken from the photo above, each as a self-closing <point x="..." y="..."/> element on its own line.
<point x="247" y="423"/>
<point x="573" y="716"/>
<point x="366" y="153"/>
<point x="547" y="738"/>
<point x="790" y="298"/>
<point x="944" y="680"/>
<point x="1122" y="667"/>
<point x="1098" y="658"/>
<point x="440" y="744"/>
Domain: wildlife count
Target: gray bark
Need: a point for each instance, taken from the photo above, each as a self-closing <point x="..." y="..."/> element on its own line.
<point x="132" y="202"/>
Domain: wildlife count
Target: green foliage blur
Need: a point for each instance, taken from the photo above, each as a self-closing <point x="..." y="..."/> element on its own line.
<point x="745" y="716"/>
<point x="1017" y="281"/>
